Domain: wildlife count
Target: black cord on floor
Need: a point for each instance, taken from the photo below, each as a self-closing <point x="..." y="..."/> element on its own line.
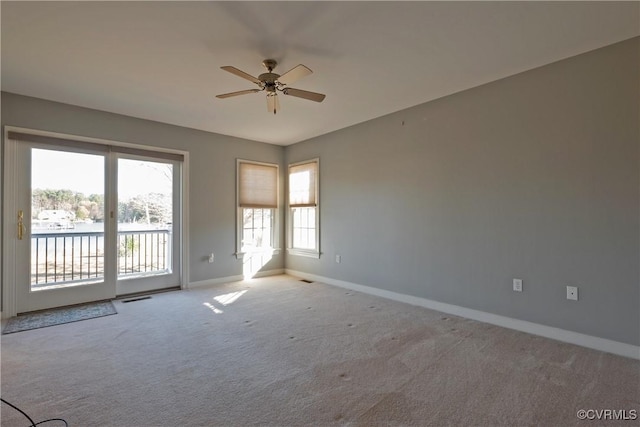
<point x="19" y="410"/>
<point x="33" y="424"/>
<point x="51" y="419"/>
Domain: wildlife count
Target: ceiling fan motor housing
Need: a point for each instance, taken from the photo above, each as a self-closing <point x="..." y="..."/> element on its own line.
<point x="269" y="81"/>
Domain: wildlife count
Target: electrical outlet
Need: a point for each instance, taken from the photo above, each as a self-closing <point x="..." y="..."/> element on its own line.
<point x="572" y="293"/>
<point x="338" y="259"/>
<point x="517" y="285"/>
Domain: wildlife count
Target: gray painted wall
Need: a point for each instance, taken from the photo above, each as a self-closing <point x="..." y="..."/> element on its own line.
<point x="535" y="176"/>
<point x="212" y="221"/>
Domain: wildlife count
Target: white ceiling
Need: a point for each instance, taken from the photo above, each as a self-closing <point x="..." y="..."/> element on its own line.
<point x="161" y="60"/>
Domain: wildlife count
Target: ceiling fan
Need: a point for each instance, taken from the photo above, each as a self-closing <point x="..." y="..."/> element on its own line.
<point x="273" y="83"/>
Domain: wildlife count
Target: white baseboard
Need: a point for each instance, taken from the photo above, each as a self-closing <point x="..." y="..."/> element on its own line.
<point x="275" y="272"/>
<point x="236" y="278"/>
<point x="596" y="343"/>
<point x="218" y="281"/>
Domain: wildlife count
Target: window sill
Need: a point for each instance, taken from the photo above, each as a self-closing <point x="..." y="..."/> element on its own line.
<point x="258" y="251"/>
<point x="309" y="253"/>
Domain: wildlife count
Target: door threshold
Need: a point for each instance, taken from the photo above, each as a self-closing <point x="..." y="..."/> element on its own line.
<point x="151" y="292"/>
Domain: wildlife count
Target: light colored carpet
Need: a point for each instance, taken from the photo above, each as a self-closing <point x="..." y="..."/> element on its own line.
<point x="280" y="352"/>
<point x="59" y="316"/>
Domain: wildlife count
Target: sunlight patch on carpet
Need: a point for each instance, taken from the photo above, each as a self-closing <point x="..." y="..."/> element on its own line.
<point x="227" y="299"/>
<point x="59" y="316"/>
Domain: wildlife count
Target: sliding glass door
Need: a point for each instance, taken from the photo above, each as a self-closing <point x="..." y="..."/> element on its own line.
<point x="93" y="222"/>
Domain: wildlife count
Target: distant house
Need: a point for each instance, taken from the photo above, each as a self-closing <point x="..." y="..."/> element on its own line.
<point x="56" y="215"/>
<point x="56" y="218"/>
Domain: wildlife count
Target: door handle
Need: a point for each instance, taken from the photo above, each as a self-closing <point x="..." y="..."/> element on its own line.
<point x="21" y="228"/>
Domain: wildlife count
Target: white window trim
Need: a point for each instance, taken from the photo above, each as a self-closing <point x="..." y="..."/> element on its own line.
<point x="309" y="253"/>
<point x="275" y="229"/>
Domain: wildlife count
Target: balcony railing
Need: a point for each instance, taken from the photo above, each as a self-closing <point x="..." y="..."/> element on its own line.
<point x="62" y="258"/>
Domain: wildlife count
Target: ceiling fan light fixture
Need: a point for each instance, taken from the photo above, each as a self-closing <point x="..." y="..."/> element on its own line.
<point x="273" y="105"/>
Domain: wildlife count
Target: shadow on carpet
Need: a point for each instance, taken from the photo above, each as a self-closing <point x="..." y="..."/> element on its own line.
<point x="59" y="316"/>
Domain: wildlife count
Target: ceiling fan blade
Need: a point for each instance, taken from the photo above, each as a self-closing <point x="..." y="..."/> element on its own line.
<point x="240" y="92"/>
<point x="296" y="73"/>
<point x="240" y="73"/>
<point x="273" y="105"/>
<point x="298" y="93"/>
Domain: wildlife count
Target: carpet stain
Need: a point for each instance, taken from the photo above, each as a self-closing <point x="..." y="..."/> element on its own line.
<point x="345" y="377"/>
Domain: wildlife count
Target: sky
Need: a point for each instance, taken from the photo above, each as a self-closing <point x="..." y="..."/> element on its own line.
<point x="84" y="173"/>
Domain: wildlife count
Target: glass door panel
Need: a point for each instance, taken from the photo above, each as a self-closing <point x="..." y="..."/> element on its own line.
<point x="67" y="219"/>
<point x="147" y="205"/>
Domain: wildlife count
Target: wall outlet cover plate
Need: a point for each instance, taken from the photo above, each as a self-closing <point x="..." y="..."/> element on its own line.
<point x="517" y="285"/>
<point x="572" y="293"/>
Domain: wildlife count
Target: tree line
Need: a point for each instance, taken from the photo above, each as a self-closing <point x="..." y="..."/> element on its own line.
<point x="151" y="208"/>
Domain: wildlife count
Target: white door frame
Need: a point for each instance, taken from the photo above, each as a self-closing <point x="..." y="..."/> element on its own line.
<point x="10" y="197"/>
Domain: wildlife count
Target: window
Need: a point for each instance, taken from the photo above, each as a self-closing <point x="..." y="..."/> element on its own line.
<point x="303" y="209"/>
<point x="257" y="229"/>
<point x="257" y="205"/>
